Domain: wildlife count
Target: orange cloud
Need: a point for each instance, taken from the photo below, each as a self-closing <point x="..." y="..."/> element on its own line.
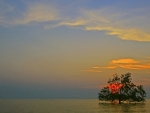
<point x="124" y="61"/>
<point x="96" y="67"/>
<point x="130" y="64"/>
<point x="93" y="71"/>
<point x="109" y="67"/>
<point x="138" y="66"/>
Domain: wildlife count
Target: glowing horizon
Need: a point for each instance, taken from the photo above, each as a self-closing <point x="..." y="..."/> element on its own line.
<point x="72" y="45"/>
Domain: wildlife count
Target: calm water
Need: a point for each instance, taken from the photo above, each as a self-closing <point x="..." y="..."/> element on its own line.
<point x="70" y="106"/>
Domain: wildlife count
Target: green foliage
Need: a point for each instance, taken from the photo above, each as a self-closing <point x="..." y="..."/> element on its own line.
<point x="128" y="91"/>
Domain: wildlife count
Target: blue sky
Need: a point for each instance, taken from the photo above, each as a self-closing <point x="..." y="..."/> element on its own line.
<point x="69" y="49"/>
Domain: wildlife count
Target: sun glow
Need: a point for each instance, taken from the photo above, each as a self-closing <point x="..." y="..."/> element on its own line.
<point x="115" y="87"/>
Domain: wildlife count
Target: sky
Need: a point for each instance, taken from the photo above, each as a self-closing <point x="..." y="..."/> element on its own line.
<point x="70" y="48"/>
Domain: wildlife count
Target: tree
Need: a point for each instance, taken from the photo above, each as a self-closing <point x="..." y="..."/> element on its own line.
<point x="122" y="89"/>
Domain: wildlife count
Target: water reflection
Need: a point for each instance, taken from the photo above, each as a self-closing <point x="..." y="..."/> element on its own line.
<point x="124" y="108"/>
<point x="70" y="106"/>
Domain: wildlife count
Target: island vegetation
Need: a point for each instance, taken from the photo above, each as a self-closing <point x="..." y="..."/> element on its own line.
<point x="121" y="89"/>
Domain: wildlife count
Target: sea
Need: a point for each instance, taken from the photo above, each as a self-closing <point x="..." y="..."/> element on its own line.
<point x="70" y="106"/>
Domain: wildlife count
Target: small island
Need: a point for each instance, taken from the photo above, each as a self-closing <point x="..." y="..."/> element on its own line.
<point x="121" y="89"/>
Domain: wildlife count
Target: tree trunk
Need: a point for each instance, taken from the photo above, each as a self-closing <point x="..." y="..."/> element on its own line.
<point x="119" y="101"/>
<point x="120" y="97"/>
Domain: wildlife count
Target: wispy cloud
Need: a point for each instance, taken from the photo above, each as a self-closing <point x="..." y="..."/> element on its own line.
<point x="92" y="71"/>
<point x="69" y="23"/>
<point x="124" y="34"/>
<point x="98" y="21"/>
<point x="98" y="69"/>
<point x="74" y="23"/>
<point x="5" y="11"/>
<point x="95" y="69"/>
<point x="5" y="8"/>
<point x="38" y="13"/>
<point x="137" y="66"/>
<point x="109" y="67"/>
<point x="102" y="19"/>
<point x="131" y="34"/>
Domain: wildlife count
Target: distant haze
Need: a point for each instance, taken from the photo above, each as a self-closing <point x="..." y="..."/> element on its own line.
<point x="70" y="49"/>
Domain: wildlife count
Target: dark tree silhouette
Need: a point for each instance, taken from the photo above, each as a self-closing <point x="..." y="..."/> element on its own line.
<point x="122" y="89"/>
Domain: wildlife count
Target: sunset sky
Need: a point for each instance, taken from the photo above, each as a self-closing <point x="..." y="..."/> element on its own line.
<point x="70" y="48"/>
